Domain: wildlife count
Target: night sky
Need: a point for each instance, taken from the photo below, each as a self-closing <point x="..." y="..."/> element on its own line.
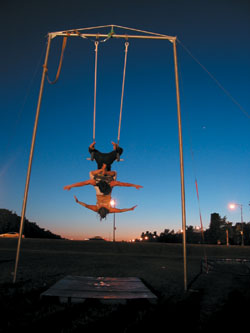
<point x="214" y="73"/>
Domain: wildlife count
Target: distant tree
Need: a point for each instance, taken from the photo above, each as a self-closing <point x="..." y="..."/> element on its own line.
<point x="246" y="230"/>
<point x="170" y="237"/>
<point x="149" y="237"/>
<point x="193" y="236"/>
<point x="237" y="233"/>
<point x="10" y="221"/>
<point x="216" y="234"/>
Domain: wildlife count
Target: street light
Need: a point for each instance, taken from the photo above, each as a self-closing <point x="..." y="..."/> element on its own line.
<point x="233" y="206"/>
<point x="113" y="203"/>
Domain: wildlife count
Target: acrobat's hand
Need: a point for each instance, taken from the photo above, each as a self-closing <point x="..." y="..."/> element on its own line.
<point x="138" y="187"/>
<point x="67" y="187"/>
<point x="76" y="198"/>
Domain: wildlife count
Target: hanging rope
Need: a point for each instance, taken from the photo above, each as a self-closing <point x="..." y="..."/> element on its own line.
<point x="122" y="94"/>
<point x="123" y="83"/>
<point x="202" y="229"/>
<point x="95" y="84"/>
<point x="60" y="63"/>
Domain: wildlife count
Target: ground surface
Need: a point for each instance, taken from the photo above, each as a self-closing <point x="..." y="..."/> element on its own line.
<point x="217" y="300"/>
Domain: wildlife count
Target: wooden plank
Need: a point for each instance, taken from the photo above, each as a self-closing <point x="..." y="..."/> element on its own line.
<point x="88" y="284"/>
<point x="83" y="287"/>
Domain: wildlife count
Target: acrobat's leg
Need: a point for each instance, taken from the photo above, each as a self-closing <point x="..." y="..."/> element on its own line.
<point x="92" y="151"/>
<point x="97" y="156"/>
<point x="108" y="173"/>
<point x="103" y="171"/>
<point x="107" y="158"/>
<point x="118" y="150"/>
<point x="97" y="172"/>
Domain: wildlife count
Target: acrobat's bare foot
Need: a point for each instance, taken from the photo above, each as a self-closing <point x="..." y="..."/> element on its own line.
<point x="115" y="145"/>
<point x="92" y="146"/>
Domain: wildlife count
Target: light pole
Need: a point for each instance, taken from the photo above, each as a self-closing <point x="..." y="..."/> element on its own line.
<point x="233" y="206"/>
<point x="113" y="203"/>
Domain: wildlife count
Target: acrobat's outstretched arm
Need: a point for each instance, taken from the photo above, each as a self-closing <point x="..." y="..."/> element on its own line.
<point x="91" y="207"/>
<point x="117" y="210"/>
<point x="86" y="182"/>
<point x="117" y="183"/>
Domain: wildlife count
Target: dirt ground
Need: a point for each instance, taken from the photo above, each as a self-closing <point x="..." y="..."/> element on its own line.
<point x="217" y="299"/>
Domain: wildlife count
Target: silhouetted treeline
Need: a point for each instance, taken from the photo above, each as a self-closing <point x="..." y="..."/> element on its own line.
<point x="10" y="222"/>
<point x="220" y="231"/>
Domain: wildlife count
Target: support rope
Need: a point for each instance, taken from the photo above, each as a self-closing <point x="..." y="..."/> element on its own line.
<point x="216" y="81"/>
<point x="122" y="95"/>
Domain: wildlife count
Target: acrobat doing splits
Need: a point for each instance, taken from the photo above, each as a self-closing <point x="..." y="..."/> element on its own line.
<point x="107" y="158"/>
<point x="103" y="180"/>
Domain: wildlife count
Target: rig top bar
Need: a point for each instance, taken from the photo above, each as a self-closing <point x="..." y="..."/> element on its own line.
<point x="84" y="33"/>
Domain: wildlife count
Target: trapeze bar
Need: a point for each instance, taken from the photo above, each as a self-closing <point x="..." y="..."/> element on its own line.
<point x="84" y="35"/>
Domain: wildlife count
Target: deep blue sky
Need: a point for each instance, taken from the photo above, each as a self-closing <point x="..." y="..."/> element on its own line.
<point x="214" y="128"/>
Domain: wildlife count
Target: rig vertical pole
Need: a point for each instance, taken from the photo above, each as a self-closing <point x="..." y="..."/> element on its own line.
<point x="114" y="227"/>
<point x="181" y="167"/>
<point x="31" y="157"/>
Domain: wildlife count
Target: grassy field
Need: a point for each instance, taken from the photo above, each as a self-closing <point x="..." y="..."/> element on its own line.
<point x="160" y="266"/>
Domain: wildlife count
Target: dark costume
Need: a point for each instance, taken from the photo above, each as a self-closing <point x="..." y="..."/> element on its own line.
<point x="105" y="158"/>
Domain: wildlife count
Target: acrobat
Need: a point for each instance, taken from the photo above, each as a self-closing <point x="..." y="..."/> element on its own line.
<point x="103" y="207"/>
<point x="103" y="181"/>
<point x="107" y="158"/>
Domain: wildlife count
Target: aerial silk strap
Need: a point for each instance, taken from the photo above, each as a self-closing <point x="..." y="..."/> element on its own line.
<point x="60" y="63"/>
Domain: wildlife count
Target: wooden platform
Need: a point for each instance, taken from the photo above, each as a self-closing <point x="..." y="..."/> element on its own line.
<point x="80" y="288"/>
